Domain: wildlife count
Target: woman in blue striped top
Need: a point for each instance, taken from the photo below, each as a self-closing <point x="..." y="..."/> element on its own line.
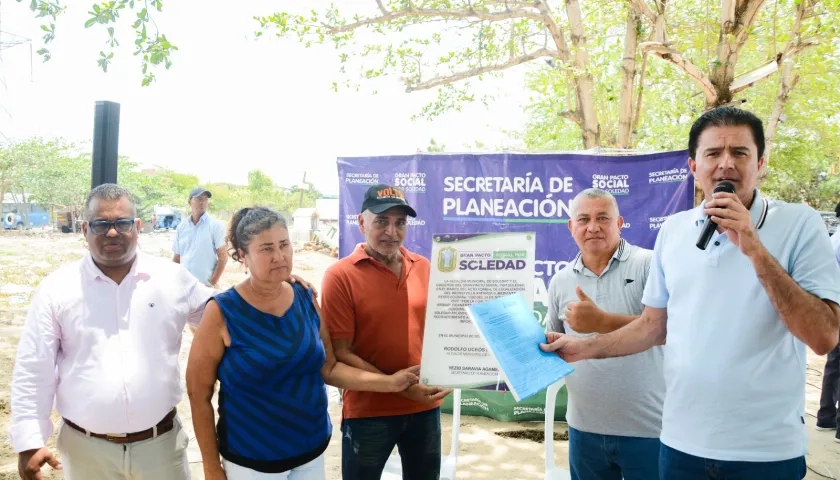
<point x="264" y="341"/>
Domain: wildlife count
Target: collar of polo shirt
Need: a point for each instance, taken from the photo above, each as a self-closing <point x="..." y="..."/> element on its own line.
<point x="621" y="254"/>
<point x="758" y="211"/>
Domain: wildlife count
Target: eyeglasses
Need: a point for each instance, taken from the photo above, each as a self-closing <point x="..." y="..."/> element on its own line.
<point x="121" y="225"/>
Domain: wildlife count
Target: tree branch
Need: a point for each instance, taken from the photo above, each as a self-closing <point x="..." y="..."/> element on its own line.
<point x="449" y="13"/>
<point x="638" y="110"/>
<point x="556" y="32"/>
<point x="796" y="44"/>
<point x="642" y="7"/>
<point x="686" y="66"/>
<point x="573" y="116"/>
<point x="745" y="16"/>
<point x="736" y="20"/>
<point x="800" y="47"/>
<point x="787" y="79"/>
<point x="512" y="3"/>
<point x="787" y="82"/>
<point x="447" y="79"/>
<point x="382" y="7"/>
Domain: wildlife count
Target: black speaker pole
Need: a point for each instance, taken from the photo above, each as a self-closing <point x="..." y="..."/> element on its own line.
<point x="106" y="139"/>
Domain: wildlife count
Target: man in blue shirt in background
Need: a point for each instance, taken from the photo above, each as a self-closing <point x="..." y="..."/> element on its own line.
<point x="199" y="243"/>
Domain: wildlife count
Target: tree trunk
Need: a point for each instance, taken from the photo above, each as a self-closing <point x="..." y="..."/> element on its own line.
<point x="625" y="112"/>
<point x="723" y="67"/>
<point x="786" y="83"/>
<point x="26" y="208"/>
<point x="637" y="114"/>
<point x="585" y="85"/>
<point x="73" y="221"/>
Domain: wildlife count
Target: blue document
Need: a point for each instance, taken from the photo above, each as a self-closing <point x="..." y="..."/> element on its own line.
<point x="513" y="336"/>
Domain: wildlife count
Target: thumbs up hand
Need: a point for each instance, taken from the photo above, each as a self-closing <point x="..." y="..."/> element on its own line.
<point x="583" y="316"/>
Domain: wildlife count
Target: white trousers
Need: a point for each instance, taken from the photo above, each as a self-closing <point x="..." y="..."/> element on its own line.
<point x="88" y="458"/>
<point x="313" y="470"/>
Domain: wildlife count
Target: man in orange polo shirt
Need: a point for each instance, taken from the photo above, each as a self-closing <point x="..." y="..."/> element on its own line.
<point x="374" y="303"/>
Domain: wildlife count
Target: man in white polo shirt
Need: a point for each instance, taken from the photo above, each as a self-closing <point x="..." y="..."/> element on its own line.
<point x="199" y="243"/>
<point x="101" y="343"/>
<point x="615" y="404"/>
<point x="738" y="316"/>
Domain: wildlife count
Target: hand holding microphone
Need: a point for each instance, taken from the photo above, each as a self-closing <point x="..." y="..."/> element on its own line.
<point x="710" y="226"/>
<point x="726" y="210"/>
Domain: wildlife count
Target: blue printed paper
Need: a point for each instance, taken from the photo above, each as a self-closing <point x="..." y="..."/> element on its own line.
<point x="513" y="337"/>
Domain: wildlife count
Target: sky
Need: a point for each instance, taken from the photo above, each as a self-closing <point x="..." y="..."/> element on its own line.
<point x="230" y="103"/>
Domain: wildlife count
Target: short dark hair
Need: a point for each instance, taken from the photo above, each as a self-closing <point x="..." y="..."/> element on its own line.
<point x="110" y="192"/>
<point x="249" y="222"/>
<point x="726" y="117"/>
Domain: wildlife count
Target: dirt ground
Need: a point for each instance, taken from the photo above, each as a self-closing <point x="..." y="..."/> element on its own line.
<point x="487" y="449"/>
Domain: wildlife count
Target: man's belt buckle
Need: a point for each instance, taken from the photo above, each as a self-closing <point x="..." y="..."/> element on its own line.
<point x="116" y="435"/>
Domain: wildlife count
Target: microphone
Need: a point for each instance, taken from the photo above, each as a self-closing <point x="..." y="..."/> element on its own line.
<point x="709" y="227"/>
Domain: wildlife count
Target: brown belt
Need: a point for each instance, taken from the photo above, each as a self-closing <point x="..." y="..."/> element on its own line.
<point x="162" y="427"/>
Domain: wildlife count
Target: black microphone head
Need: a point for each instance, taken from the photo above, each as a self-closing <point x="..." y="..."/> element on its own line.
<point x="725" y="186"/>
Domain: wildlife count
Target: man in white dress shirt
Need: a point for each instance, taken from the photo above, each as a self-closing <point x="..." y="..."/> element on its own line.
<point x="101" y="340"/>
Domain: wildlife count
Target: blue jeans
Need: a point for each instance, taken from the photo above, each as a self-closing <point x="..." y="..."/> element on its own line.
<point x="679" y="465"/>
<point x="366" y="444"/>
<point x="610" y="457"/>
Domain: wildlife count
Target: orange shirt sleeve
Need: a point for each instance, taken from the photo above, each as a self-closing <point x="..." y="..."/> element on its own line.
<point x="337" y="306"/>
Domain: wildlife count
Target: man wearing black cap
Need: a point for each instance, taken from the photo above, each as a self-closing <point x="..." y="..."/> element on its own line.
<point x="199" y="242"/>
<point x="374" y="303"/>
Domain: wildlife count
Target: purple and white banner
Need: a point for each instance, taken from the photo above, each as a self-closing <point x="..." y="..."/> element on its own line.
<point x="517" y="192"/>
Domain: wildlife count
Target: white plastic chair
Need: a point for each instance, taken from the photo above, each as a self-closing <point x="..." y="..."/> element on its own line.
<point x="552" y="472"/>
<point x="393" y="469"/>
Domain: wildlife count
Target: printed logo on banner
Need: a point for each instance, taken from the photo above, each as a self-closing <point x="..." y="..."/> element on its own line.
<point x="410" y="182"/>
<point x="614" y="184"/>
<point x="493" y="261"/>
<point x="361" y="178"/>
<point x="447" y="259"/>
<point x="674" y="175"/>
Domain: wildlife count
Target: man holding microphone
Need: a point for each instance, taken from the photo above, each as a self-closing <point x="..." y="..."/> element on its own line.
<point x="736" y="315"/>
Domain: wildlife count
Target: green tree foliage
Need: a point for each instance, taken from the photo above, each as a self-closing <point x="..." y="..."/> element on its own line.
<point x="434" y="146"/>
<point x="227" y="197"/>
<point x="155" y="188"/>
<point x="611" y="73"/>
<point x="55" y="174"/>
<point x="261" y="188"/>
<point x="19" y="161"/>
<point x="801" y="38"/>
<point x="150" y="45"/>
<point x="263" y="191"/>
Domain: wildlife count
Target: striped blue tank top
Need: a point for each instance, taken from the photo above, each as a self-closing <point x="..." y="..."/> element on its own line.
<point x="273" y="401"/>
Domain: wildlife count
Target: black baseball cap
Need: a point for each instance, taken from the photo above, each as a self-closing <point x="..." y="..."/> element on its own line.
<point x="382" y="197"/>
<point x="198" y="191"/>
